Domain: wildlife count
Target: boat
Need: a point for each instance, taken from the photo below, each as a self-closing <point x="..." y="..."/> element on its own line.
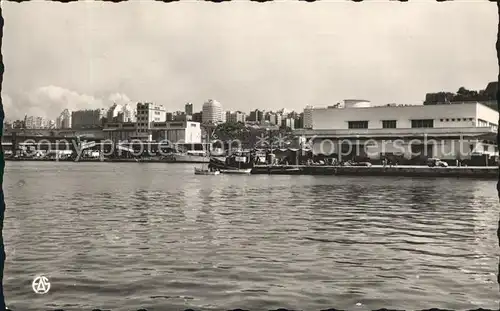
<point x="206" y="169"/>
<point x="201" y="171"/>
<point x="240" y="171"/>
<point x="239" y="163"/>
<point x="187" y="157"/>
<point x="234" y="162"/>
<point x="285" y="170"/>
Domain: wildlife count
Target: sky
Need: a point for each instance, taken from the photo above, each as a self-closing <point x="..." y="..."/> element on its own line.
<point x="246" y="55"/>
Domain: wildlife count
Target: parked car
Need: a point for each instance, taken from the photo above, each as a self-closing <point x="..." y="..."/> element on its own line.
<point x="435" y="162"/>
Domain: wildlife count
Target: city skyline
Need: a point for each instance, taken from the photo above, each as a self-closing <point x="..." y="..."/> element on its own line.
<point x="310" y="56"/>
<point x="132" y="105"/>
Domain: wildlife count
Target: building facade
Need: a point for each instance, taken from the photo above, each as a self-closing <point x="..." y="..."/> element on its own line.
<point x="172" y="131"/>
<point x="184" y="132"/>
<point x="213" y="112"/>
<point x="415" y="116"/>
<point x="288" y="122"/>
<point x="235" y="117"/>
<point x="147" y="113"/>
<point x="86" y="119"/>
<point x="120" y="131"/>
<point x="127" y="114"/>
<point x="64" y="120"/>
<point x="113" y="112"/>
<point x="197" y="117"/>
<point x="181" y="116"/>
<point x="29" y="122"/>
<point x="256" y="116"/>
<point x="435" y="130"/>
<point x="308" y="111"/>
<point x="188" y="109"/>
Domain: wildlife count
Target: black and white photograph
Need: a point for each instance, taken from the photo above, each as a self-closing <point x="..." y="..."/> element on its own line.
<point x="246" y="155"/>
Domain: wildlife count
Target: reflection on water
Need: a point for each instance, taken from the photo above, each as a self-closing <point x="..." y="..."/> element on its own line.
<point x="154" y="235"/>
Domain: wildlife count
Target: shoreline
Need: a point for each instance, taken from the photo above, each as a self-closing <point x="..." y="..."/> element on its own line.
<point x="107" y="161"/>
<point x="479" y="172"/>
<point x="486" y="172"/>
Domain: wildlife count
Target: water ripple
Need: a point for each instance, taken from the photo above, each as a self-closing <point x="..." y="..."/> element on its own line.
<point x="125" y="236"/>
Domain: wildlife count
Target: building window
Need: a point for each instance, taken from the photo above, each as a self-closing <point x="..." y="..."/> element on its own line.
<point x="389" y="124"/>
<point x="358" y="124"/>
<point x="422" y="123"/>
<point x="482" y="123"/>
<point x="447" y="120"/>
<point x="452" y="120"/>
<point x="441" y="120"/>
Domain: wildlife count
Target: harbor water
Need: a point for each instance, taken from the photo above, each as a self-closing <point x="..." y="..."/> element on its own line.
<point x="124" y="236"/>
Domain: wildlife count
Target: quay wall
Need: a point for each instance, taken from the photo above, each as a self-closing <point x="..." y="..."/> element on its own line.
<point x="402" y="171"/>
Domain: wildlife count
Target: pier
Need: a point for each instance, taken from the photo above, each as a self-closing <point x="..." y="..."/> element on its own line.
<point x="487" y="172"/>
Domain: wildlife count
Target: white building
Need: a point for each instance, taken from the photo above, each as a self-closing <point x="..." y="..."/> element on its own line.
<point x="64" y="120"/>
<point x="29" y="122"/>
<point x="212" y="112"/>
<point x="271" y="117"/>
<point x="308" y="111"/>
<point x="288" y="122"/>
<point x="41" y="123"/>
<point x="147" y="113"/>
<point x="279" y="119"/>
<point x="378" y="117"/>
<point x="355" y="103"/>
<point x="175" y="132"/>
<point x="235" y="116"/>
<point x="443" y="131"/>
<point x="127" y="114"/>
<point x="113" y="112"/>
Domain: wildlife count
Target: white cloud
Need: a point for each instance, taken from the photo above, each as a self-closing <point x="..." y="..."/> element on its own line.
<point x="119" y="98"/>
<point x="10" y="110"/>
<point x="50" y="101"/>
<point x="273" y="55"/>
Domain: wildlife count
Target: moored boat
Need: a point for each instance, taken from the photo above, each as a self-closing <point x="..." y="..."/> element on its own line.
<point x="237" y="171"/>
<point x="205" y="169"/>
<point x="235" y="161"/>
<point x="187" y="157"/>
<point x="201" y="171"/>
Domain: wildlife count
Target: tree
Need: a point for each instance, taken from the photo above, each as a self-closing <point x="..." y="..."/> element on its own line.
<point x="462" y="91"/>
<point x="231" y="131"/>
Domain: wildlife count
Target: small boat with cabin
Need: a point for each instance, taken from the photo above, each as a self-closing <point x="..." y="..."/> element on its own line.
<point x="206" y="169"/>
<point x="237" y="171"/>
<point x="202" y="171"/>
<point x="237" y="163"/>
